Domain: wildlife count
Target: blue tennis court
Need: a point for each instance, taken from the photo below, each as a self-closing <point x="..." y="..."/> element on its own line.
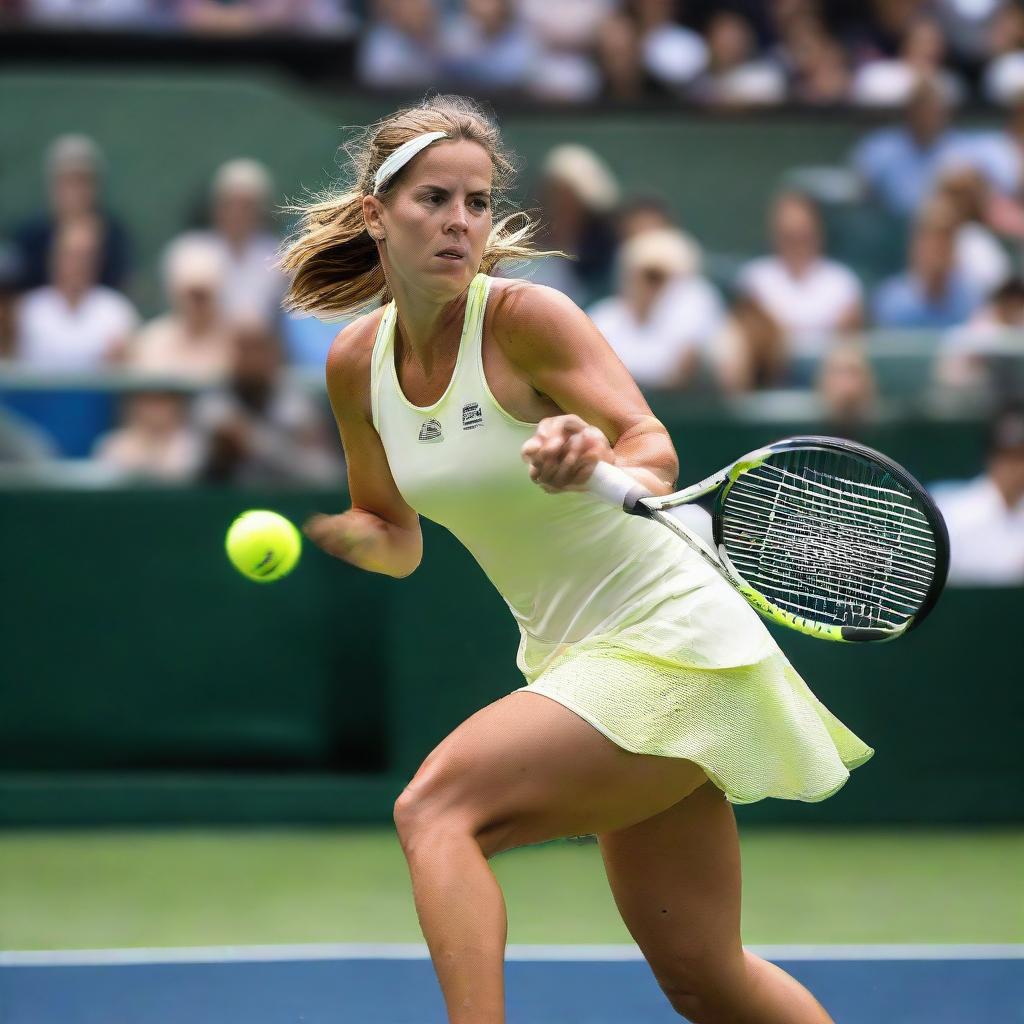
<point x="545" y="985"/>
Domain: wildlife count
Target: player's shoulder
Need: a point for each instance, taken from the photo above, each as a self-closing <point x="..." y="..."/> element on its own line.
<point x="351" y="352"/>
<point x="526" y="317"/>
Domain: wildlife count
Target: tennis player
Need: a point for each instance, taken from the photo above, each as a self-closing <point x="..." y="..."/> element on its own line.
<point x="654" y="696"/>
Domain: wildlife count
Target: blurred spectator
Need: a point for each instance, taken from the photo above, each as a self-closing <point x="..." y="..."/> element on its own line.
<point x="191" y="341"/>
<point x="620" y="56"/>
<point x="93" y="13"/>
<point x="642" y="213"/>
<point x="400" y="46"/>
<point x="985" y="516"/>
<point x="846" y="386"/>
<point x="808" y="296"/>
<point x="664" y="314"/>
<point x="10" y="294"/>
<point x="22" y="441"/>
<point x="672" y="55"/>
<point x="750" y="351"/>
<point x="578" y="194"/>
<point x="735" y="76"/>
<point x="75" y="323"/>
<point x="566" y="34"/>
<point x="815" y="62"/>
<point x="248" y="16"/>
<point x="488" y="46"/>
<point x="932" y="292"/>
<point x="975" y="29"/>
<point x="890" y="83"/>
<point x="978" y="255"/>
<point x="154" y="440"/>
<point x="989" y="350"/>
<point x="1003" y="78"/>
<point x="899" y="164"/>
<point x="240" y="200"/>
<point x="260" y="429"/>
<point x="307" y="339"/>
<point x="73" y="168"/>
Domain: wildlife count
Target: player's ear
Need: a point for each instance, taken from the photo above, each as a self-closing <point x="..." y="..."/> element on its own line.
<point x="373" y="217"/>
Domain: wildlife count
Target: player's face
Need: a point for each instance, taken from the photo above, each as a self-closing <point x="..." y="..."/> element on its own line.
<point x="437" y="223"/>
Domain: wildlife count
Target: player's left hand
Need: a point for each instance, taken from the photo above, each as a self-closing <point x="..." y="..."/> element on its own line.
<point x="563" y="453"/>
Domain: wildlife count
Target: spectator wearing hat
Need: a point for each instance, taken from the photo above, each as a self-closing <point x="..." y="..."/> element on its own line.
<point x="190" y="341"/>
<point x="985" y="516"/>
<point x="664" y="313"/>
<point x="75" y="323"/>
<point x="73" y="170"/>
<point x="240" y="200"/>
<point x="932" y="292"/>
<point x="261" y="428"/>
<point x="807" y="296"/>
<point x="578" y="195"/>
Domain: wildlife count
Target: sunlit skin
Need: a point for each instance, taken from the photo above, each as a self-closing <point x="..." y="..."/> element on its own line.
<point x="442" y="199"/>
<point x="526" y="769"/>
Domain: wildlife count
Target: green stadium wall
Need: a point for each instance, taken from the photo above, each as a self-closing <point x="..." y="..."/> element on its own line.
<point x="144" y="681"/>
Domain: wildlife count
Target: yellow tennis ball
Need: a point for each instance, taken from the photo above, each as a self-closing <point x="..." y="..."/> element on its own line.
<point x="263" y="545"/>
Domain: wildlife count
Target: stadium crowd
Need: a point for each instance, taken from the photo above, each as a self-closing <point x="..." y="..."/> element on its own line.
<point x="222" y="404"/>
<point x="740" y="52"/>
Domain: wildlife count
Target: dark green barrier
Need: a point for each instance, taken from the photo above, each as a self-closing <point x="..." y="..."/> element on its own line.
<point x="143" y="680"/>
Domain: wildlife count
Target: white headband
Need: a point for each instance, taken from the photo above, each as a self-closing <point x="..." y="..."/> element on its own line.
<point x="401" y="156"/>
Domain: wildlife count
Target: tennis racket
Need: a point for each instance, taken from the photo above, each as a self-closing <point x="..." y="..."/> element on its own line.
<point x="820" y="534"/>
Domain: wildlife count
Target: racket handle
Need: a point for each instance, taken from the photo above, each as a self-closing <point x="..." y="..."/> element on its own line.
<point x="615" y="486"/>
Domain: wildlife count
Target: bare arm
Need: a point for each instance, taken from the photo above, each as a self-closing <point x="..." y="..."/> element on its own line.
<point x="380" y="532"/>
<point x="557" y="348"/>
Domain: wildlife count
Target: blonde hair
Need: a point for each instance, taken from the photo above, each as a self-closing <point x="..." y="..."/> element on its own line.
<point x="335" y="264"/>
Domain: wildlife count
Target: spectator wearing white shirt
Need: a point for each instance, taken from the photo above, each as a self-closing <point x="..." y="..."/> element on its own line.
<point x="735" y="75"/>
<point x="985" y="516"/>
<point x="809" y="297"/>
<point x="191" y="341"/>
<point x="890" y="82"/>
<point x="664" y="314"/>
<point x="75" y="323"/>
<point x="240" y="200"/>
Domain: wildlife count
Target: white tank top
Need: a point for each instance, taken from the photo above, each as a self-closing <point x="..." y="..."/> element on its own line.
<point x="568" y="566"/>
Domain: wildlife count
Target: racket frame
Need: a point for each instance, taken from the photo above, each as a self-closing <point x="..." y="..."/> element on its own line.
<point x="637" y="501"/>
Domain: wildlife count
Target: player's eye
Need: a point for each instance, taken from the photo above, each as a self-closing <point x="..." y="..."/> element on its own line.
<point x="481" y="204"/>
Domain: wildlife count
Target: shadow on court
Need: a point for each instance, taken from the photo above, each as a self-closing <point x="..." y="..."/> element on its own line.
<point x="403" y="991"/>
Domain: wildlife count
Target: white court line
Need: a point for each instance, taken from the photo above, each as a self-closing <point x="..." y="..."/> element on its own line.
<point x="418" y="951"/>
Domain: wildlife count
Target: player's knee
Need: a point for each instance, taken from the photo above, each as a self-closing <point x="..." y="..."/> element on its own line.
<point x="698" y="991"/>
<point x="425" y="814"/>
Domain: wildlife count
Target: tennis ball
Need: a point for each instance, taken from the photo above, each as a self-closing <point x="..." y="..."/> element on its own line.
<point x="263" y="545"/>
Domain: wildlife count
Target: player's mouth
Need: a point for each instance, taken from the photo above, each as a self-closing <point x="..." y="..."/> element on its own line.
<point x="451" y="253"/>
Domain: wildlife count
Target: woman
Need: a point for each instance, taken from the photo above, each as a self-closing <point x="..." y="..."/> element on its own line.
<point x="653" y="691"/>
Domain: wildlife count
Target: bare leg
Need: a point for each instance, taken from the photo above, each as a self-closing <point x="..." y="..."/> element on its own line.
<point x="462" y="915"/>
<point x="676" y="882"/>
<point x="522" y="770"/>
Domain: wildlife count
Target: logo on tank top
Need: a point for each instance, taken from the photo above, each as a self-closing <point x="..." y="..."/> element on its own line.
<point x="472" y="416"/>
<point x="431" y="431"/>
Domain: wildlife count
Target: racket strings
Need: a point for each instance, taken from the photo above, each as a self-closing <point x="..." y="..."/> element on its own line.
<point x="831" y="537"/>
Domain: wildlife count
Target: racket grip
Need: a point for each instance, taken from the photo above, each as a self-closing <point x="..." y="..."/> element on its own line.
<point x="615" y="486"/>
